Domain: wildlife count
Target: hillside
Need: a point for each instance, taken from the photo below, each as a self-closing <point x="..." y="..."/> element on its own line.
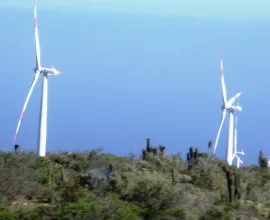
<point x="99" y="186"/>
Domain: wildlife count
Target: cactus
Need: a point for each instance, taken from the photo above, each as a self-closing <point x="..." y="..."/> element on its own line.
<point x="155" y="150"/>
<point x="262" y="160"/>
<point x="261" y="154"/>
<point x="162" y="149"/>
<point x="196" y="153"/>
<point x="229" y="177"/>
<point x="230" y="183"/>
<point x="189" y="160"/>
<point x="191" y="153"/>
<point x="143" y="154"/>
<point x="173" y="178"/>
<point x="237" y="194"/>
<point x="188" y="157"/>
<point x="209" y="144"/>
<point x="16" y="148"/>
<point x="148" y="147"/>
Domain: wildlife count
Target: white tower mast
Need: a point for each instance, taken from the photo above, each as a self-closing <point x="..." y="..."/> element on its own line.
<point x="42" y="136"/>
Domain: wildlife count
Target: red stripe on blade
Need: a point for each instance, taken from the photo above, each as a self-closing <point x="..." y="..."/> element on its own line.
<point x="21" y="115"/>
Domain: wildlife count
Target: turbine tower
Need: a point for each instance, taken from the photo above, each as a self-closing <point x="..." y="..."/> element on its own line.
<point x="235" y="154"/>
<point x="227" y="106"/>
<point x="44" y="72"/>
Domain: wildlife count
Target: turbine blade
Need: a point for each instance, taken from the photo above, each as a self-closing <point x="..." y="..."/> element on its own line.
<point x="25" y="104"/>
<point x="38" y="65"/>
<point x="232" y="100"/>
<point x="219" y="130"/>
<point x="224" y="92"/>
<point x="241" y="161"/>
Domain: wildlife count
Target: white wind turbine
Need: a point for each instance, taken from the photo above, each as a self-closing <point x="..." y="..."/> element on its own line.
<point x="227" y="106"/>
<point x="235" y="154"/>
<point x="45" y="72"/>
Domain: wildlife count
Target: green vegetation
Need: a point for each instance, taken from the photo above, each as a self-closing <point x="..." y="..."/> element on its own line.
<point x="95" y="185"/>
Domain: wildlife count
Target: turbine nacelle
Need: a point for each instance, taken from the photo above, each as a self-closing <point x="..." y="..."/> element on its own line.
<point x="50" y="71"/>
<point x="229" y="104"/>
<point x="237" y="108"/>
<point x="55" y="71"/>
<point x="231" y="107"/>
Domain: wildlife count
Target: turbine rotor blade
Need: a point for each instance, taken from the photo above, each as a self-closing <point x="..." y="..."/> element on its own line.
<point x="241" y="161"/>
<point x="25" y="104"/>
<point x="37" y="44"/>
<point x="232" y="100"/>
<point x="219" y="130"/>
<point x="224" y="92"/>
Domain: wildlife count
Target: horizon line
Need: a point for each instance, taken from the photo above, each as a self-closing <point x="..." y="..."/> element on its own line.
<point x="144" y="13"/>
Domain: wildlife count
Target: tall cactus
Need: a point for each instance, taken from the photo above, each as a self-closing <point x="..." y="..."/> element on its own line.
<point x="188" y="157"/>
<point x="155" y="151"/>
<point x="144" y="154"/>
<point x="196" y="153"/>
<point x="229" y="177"/>
<point x="162" y="149"/>
<point x="209" y="150"/>
<point x="230" y="185"/>
<point x="237" y="194"/>
<point x="209" y="145"/>
<point x="191" y="153"/>
<point x="173" y="177"/>
<point x="16" y="148"/>
<point x="262" y="160"/>
<point x="148" y="146"/>
<point x="189" y="160"/>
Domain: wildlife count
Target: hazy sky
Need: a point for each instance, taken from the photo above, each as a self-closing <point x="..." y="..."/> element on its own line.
<point x="228" y="9"/>
<point x="129" y="76"/>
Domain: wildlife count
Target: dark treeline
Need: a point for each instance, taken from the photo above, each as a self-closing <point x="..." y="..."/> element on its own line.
<point x="96" y="185"/>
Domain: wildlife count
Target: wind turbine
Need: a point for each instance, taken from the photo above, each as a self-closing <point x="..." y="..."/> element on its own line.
<point x="45" y="72"/>
<point x="227" y="107"/>
<point x="235" y="154"/>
